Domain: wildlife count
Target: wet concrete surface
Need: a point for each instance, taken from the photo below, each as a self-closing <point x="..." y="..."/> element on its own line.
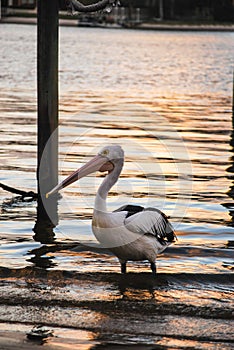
<point x="109" y="310"/>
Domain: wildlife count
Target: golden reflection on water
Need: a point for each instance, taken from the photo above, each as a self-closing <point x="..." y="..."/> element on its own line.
<point x="175" y="132"/>
<point x="172" y="115"/>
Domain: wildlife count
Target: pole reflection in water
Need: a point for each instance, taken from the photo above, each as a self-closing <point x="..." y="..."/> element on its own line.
<point x="230" y="169"/>
<point x="47" y="219"/>
<point x="40" y="259"/>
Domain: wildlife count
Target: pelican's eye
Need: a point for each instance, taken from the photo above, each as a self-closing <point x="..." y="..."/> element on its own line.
<point x="105" y="152"/>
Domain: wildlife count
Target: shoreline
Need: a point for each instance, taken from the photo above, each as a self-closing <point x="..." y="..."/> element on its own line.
<point x="143" y="26"/>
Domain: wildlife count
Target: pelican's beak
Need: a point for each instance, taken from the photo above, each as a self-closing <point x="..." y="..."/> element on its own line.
<point x="97" y="163"/>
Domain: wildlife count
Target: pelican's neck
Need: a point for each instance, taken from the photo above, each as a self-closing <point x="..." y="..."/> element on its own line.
<point x="108" y="182"/>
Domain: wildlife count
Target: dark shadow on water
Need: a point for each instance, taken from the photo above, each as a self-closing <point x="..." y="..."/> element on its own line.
<point x="132" y="284"/>
<point x="41" y="260"/>
<point x="45" y="262"/>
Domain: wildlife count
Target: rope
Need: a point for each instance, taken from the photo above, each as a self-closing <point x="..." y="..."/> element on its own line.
<point x="24" y="194"/>
<point x="100" y="5"/>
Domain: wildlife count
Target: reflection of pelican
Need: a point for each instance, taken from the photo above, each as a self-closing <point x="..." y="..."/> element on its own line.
<point x="130" y="232"/>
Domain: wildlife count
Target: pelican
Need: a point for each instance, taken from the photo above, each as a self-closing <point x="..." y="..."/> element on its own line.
<point x="131" y="232"/>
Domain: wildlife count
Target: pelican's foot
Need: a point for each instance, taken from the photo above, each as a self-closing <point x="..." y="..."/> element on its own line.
<point x="153" y="268"/>
<point x="123" y="267"/>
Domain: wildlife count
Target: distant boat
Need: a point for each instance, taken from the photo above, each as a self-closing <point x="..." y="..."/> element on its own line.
<point x="99" y="21"/>
<point x="90" y="22"/>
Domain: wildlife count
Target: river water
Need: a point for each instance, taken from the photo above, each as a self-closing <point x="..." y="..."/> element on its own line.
<point x="166" y="98"/>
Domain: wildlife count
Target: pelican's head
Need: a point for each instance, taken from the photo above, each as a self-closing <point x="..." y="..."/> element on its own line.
<point x="112" y="152"/>
<point x="105" y="160"/>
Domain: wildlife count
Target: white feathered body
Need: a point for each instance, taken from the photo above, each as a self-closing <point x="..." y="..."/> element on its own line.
<point x="136" y="237"/>
<point x="130" y="232"/>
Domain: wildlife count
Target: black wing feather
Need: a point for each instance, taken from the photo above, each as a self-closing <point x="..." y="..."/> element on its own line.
<point x="152" y="222"/>
<point x="166" y="233"/>
<point x="131" y="209"/>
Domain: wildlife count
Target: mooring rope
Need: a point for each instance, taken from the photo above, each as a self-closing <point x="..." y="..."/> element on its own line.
<point x="24" y="194"/>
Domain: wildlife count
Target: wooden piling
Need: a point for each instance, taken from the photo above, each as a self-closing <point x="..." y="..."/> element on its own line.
<point x="47" y="78"/>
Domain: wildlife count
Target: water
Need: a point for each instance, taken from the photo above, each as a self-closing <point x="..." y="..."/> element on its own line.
<point x="166" y="98"/>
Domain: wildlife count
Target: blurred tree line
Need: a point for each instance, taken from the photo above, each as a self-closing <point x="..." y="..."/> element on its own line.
<point x="179" y="10"/>
<point x="185" y="10"/>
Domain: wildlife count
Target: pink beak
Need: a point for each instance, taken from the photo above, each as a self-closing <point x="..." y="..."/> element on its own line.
<point x="95" y="164"/>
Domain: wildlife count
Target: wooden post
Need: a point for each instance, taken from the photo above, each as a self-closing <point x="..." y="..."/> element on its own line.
<point x="47" y="78"/>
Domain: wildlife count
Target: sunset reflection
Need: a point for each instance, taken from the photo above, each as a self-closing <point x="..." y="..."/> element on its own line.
<point x="165" y="97"/>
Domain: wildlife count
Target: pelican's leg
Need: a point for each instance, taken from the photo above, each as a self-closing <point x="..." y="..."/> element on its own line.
<point x="123" y="266"/>
<point x="153" y="268"/>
